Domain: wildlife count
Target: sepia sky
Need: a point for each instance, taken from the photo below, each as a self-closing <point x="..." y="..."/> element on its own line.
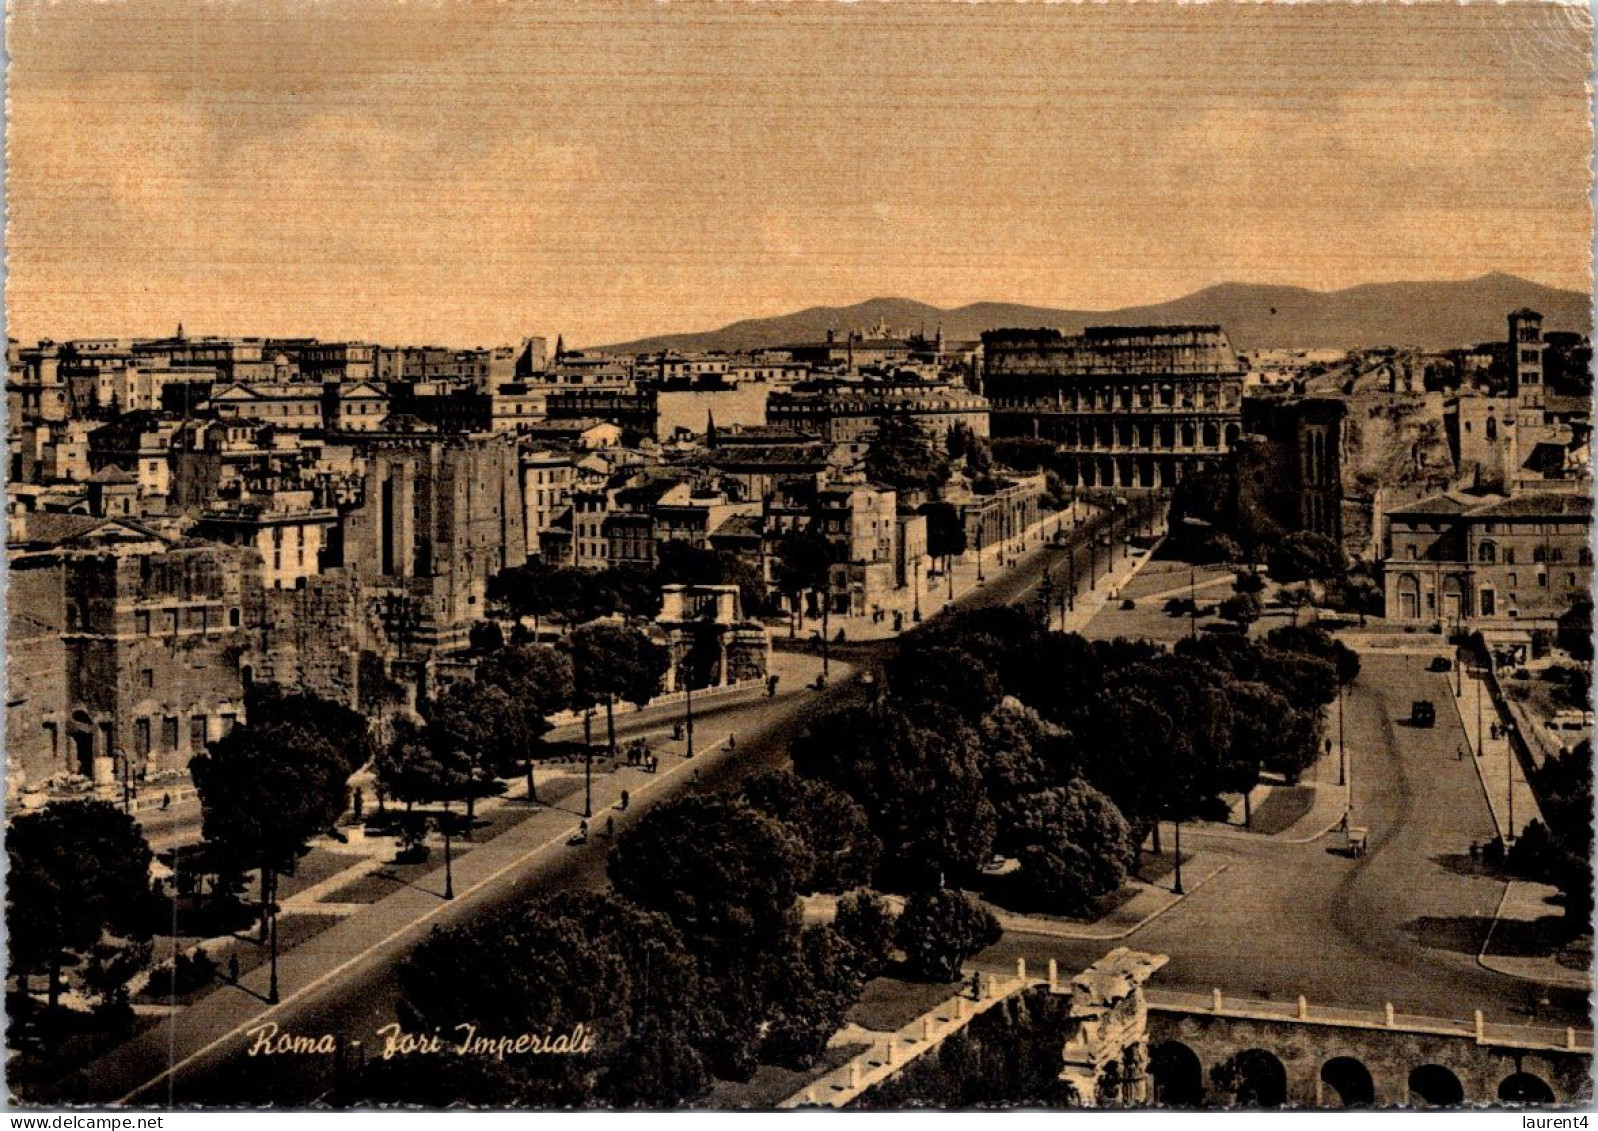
<point x="467" y="173"/>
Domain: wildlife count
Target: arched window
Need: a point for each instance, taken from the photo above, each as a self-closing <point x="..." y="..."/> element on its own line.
<point x="1538" y="555"/>
<point x="1487" y="554"/>
<point x="1492" y="428"/>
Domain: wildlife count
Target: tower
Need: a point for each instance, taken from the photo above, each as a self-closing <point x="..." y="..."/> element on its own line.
<point x="1526" y="360"/>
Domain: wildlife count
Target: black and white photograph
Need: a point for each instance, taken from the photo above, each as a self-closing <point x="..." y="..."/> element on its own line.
<point x="641" y="556"/>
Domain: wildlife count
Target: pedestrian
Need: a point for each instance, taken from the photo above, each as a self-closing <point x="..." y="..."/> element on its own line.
<point x="358" y="805"/>
<point x="233" y="969"/>
<point x="626" y="800"/>
<point x="166" y="802"/>
<point x="610" y="828"/>
<point x="1459" y="753"/>
<point x="582" y="832"/>
<point x="1342" y="825"/>
<point x="732" y="741"/>
<point x="976" y="986"/>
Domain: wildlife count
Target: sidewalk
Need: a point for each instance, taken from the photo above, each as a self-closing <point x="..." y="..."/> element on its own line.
<point x="1148" y="902"/>
<point x="138" y="1070"/>
<point x="934" y="592"/>
<point x="1495" y="760"/>
<point x="1093" y="598"/>
<point x="1515" y="928"/>
<point x="891" y="1051"/>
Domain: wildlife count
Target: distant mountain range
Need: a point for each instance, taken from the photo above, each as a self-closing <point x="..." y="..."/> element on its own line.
<point x="1255" y="316"/>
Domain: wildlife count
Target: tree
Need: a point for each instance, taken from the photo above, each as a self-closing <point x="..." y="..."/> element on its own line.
<point x="725" y="875"/>
<point x="919" y="780"/>
<point x="1306" y="556"/>
<point x="539" y="683"/>
<point x="78" y="871"/>
<point x="1317" y="642"/>
<point x="407" y="769"/>
<point x="940" y="930"/>
<point x="1574" y="633"/>
<point x="486" y="636"/>
<point x="611" y="662"/>
<point x="474" y="730"/>
<point x="1021" y="751"/>
<point x="866" y="923"/>
<point x="1243" y="609"/>
<point x="937" y="670"/>
<point x="903" y="456"/>
<point x="348" y="731"/>
<point x="567" y="960"/>
<point x="723" y="872"/>
<point x="803" y="565"/>
<point x="809" y="998"/>
<point x="946" y="537"/>
<point x="1073" y="844"/>
<point x="266" y="788"/>
<point x="829" y="822"/>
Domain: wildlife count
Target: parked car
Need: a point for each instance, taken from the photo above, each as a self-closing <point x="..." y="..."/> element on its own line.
<point x="1422" y="713"/>
<point x="1440" y="664"/>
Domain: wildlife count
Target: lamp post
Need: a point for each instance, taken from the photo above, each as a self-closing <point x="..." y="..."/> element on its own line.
<point x="1192" y="604"/>
<point x="688" y="720"/>
<point x="1176" y="889"/>
<point x="1342" y="776"/>
<point x="1070" y="566"/>
<point x="121" y="756"/>
<point x="271" y="989"/>
<point x="981" y="531"/>
<point x="915" y="584"/>
<point x="449" y="858"/>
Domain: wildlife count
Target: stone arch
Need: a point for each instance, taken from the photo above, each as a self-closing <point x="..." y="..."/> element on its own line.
<point x="1432" y="1085"/>
<point x="1178" y="1075"/>
<point x="1188" y="434"/>
<point x="1233" y="431"/>
<point x="1212" y="435"/>
<point x="1525" y="1088"/>
<point x="1255" y="1077"/>
<point x="1347" y="1081"/>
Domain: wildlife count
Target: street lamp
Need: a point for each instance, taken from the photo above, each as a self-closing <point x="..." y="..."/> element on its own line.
<point x="271" y="989"/>
<point x="1176" y="889"/>
<point x="588" y="761"/>
<point x="981" y="532"/>
<point x="688" y="687"/>
<point x="1342" y="776"/>
<point x="128" y="792"/>
<point x="1070" y="566"/>
<point x="915" y="583"/>
<point x="444" y="826"/>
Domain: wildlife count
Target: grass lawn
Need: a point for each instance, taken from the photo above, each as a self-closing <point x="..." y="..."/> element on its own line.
<point x="293" y="928"/>
<point x="311" y="869"/>
<point x="770" y="1085"/>
<point x="1283" y="808"/>
<point x="391" y="877"/>
<point x="889" y="1004"/>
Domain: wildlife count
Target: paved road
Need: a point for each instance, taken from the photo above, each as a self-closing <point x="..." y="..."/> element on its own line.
<point x="1403" y="925"/>
<point x="361" y="997"/>
<point x="1282" y="920"/>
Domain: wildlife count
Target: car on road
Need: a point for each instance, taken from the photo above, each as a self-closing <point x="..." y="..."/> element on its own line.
<point x="1440" y="664"/>
<point x="1422" y="713"/>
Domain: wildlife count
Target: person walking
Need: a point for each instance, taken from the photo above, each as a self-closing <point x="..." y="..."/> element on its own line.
<point x="233" y="969"/>
<point x="610" y="828"/>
